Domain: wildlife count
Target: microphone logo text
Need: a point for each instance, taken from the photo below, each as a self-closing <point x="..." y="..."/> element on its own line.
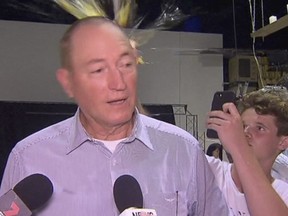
<point x="142" y="213"/>
<point x="13" y="211"/>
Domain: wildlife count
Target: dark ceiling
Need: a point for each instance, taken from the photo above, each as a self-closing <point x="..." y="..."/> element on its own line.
<point x="228" y="17"/>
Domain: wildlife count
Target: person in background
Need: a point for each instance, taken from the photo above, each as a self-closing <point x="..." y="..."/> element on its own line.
<point x="215" y="150"/>
<point x="229" y="157"/>
<point x="280" y="166"/>
<point x="107" y="138"/>
<point x="254" y="138"/>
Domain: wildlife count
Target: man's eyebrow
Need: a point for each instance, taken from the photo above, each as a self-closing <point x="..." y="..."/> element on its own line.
<point x="93" y="61"/>
<point x="99" y="60"/>
<point x="127" y="53"/>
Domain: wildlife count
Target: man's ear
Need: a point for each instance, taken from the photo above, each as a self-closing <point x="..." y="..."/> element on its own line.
<point x="64" y="78"/>
<point x="284" y="143"/>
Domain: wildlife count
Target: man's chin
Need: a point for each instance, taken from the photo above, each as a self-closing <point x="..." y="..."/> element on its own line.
<point x="123" y="120"/>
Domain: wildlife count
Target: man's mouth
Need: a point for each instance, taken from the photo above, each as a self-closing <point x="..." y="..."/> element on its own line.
<point x="117" y="102"/>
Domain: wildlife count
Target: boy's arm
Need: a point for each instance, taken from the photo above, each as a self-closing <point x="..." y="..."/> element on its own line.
<point x="261" y="197"/>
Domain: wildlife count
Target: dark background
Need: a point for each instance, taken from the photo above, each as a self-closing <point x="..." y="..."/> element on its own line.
<point x="207" y="16"/>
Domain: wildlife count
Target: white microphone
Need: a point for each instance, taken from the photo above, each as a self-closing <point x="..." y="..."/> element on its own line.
<point x="138" y="212"/>
<point x="28" y="195"/>
<point x="128" y="197"/>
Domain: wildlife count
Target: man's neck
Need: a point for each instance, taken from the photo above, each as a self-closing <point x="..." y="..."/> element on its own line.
<point x="108" y="132"/>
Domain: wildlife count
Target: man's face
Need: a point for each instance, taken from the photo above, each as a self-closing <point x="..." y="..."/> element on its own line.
<point x="103" y="78"/>
<point x="261" y="133"/>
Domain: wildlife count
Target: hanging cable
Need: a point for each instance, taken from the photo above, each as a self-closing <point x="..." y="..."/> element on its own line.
<point x="234" y="27"/>
<point x="252" y="15"/>
<point x="262" y="14"/>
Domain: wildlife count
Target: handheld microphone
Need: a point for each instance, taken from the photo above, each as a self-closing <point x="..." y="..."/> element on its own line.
<point x="27" y="195"/>
<point x="128" y="197"/>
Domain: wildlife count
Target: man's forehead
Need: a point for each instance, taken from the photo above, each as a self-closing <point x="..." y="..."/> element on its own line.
<point x="104" y="28"/>
<point x="102" y="33"/>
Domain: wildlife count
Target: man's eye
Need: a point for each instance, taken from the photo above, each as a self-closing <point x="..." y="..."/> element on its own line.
<point x="260" y="128"/>
<point x="126" y="64"/>
<point x="99" y="70"/>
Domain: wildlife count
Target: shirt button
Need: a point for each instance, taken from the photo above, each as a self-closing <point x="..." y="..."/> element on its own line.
<point x="114" y="162"/>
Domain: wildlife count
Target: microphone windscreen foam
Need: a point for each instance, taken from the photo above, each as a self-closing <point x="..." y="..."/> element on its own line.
<point x="34" y="190"/>
<point x="127" y="193"/>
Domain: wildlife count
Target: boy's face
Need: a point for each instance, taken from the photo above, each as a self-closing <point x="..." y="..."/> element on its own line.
<point x="261" y="133"/>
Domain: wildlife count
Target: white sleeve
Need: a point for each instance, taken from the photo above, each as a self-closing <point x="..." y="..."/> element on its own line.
<point x="219" y="168"/>
<point x="280" y="168"/>
<point x="281" y="188"/>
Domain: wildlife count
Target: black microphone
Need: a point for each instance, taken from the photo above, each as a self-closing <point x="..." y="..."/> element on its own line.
<point x="29" y="194"/>
<point x="128" y="197"/>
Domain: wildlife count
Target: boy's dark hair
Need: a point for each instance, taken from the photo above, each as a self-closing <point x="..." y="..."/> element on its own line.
<point x="269" y="101"/>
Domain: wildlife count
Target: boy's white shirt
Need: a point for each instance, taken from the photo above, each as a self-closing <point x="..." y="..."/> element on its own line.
<point x="236" y="200"/>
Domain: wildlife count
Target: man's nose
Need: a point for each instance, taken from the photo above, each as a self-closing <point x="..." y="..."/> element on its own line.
<point x="116" y="79"/>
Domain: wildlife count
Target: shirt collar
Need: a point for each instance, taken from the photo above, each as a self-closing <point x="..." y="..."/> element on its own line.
<point x="140" y="131"/>
<point x="78" y="135"/>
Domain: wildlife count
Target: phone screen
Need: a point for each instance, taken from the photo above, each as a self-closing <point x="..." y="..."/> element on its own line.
<point x="220" y="98"/>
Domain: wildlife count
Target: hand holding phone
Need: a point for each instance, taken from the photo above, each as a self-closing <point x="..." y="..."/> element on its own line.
<point x="220" y="98"/>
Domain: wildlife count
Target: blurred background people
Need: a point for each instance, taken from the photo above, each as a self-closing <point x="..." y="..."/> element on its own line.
<point x="280" y="167"/>
<point x="215" y="150"/>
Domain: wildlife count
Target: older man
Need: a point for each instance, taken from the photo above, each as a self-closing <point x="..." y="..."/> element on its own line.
<point x="107" y="138"/>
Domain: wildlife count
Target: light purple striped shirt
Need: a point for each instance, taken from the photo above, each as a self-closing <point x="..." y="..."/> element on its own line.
<point x="167" y="161"/>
